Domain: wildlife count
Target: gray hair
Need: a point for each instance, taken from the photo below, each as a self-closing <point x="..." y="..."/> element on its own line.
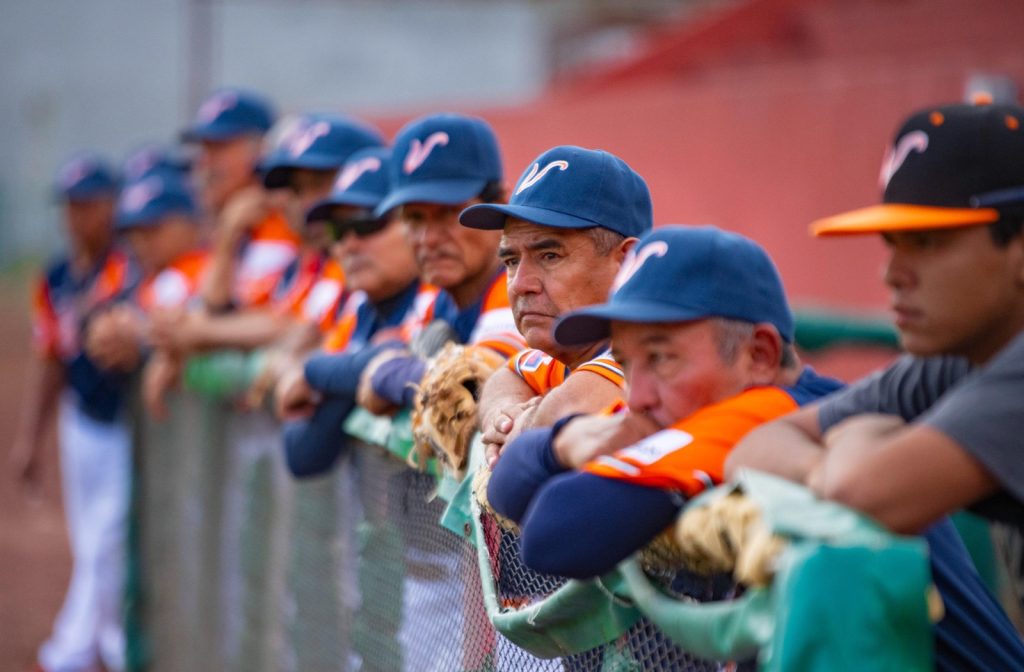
<point x="733" y="334"/>
<point x="605" y="240"/>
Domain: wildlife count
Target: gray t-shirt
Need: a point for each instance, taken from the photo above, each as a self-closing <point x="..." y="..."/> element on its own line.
<point x="981" y="409"/>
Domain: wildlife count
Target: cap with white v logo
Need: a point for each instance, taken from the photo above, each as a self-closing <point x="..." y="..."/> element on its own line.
<point x="571" y="187"/>
<point x="949" y="166"/>
<point x="686" y="273"/>
<point x="316" y="142"/>
<point x="442" y="158"/>
<point x="362" y="183"/>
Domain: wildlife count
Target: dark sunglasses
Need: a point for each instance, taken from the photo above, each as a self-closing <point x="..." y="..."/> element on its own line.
<point x="362" y="227"/>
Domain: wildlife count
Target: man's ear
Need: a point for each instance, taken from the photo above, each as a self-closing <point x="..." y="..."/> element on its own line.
<point x="764" y="354"/>
<point x="623" y="248"/>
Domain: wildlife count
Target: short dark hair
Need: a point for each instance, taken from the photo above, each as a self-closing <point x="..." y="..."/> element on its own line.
<point x="1006" y="228"/>
<point x="492" y="192"/>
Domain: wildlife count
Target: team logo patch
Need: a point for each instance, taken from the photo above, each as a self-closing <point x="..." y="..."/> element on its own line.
<point x="75" y="172"/>
<point x="216" y="106"/>
<point x="656" y="446"/>
<point x="305" y="136"/>
<point x="533" y="361"/>
<point x="139" y="195"/>
<point x="536" y="173"/>
<point x="915" y="141"/>
<point x="636" y="259"/>
<point x="419" y="151"/>
<point x="355" y="170"/>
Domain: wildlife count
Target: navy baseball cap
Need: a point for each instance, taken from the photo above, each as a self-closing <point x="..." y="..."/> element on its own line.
<point x="86" y="177"/>
<point x="154" y="158"/>
<point x="229" y="113"/>
<point x="573" y="188"/>
<point x="442" y="158"/>
<point x="362" y="182"/>
<point x="948" y="166"/>
<point x="147" y="201"/>
<point x="317" y="142"/>
<point x="683" y="273"/>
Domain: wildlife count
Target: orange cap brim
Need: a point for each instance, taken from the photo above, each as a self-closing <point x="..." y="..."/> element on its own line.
<point x="894" y="217"/>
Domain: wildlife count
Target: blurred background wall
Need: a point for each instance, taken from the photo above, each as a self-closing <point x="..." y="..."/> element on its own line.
<point x="111" y="75"/>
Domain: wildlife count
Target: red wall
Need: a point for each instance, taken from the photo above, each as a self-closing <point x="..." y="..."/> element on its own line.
<point x="773" y="114"/>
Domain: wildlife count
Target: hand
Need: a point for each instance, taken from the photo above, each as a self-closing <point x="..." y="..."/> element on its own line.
<point x="27" y="467"/>
<point x="365" y="394"/>
<point x="275" y="363"/>
<point x="585" y="438"/>
<point x="160" y="375"/>
<point x="112" y="339"/>
<point x="174" y="329"/>
<point x="242" y="213"/>
<point x="504" y="425"/>
<point x="293" y="397"/>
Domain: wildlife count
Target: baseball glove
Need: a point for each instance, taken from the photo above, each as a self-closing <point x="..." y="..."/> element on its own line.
<point x="444" y="414"/>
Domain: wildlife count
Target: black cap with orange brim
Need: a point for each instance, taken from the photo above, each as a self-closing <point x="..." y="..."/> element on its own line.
<point x="949" y="166"/>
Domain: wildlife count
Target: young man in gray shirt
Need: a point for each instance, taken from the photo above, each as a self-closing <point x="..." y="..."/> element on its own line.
<point x="940" y="429"/>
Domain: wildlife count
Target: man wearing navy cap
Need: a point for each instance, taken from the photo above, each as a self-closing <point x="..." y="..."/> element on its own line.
<point x="443" y="164"/>
<point x="573" y="216"/>
<point x="297" y="173"/>
<point x="158" y="216"/>
<point x="92" y="436"/>
<point x="699" y="321"/>
<point x="381" y="271"/>
<point x="252" y="242"/>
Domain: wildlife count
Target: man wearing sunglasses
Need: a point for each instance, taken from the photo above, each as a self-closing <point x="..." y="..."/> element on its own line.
<point x="317" y="394"/>
<point x="443" y="164"/>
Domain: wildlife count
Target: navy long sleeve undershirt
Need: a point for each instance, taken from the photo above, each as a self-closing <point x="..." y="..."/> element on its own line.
<point x="570" y="505"/>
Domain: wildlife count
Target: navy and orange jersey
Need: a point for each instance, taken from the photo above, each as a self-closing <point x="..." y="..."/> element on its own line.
<point x="324" y="298"/>
<point x="311" y="290"/>
<point x="270" y="248"/>
<point x="543" y="373"/>
<point x="613" y="506"/>
<point x="690" y="455"/>
<point x="63" y="303"/>
<point x="360" y="320"/>
<point x="487" y="322"/>
<point x="176" y="285"/>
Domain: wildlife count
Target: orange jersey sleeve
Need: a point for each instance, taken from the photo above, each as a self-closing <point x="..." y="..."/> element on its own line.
<point x="176" y="285"/>
<point x="271" y="247"/>
<point x="496" y="328"/>
<point x="543" y="373"/>
<point x="320" y="304"/>
<point x="540" y="371"/>
<point x="45" y="322"/>
<point x="340" y="333"/>
<point x="289" y="294"/>
<point x="690" y="455"/>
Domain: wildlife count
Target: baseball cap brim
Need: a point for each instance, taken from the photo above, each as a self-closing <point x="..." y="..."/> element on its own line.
<point x="494" y="216"/>
<point x="150" y="217"/>
<point x="594" y="323"/>
<point x="445" y="192"/>
<point x="900" y="217"/>
<point x="276" y="169"/>
<point x="322" y="209"/>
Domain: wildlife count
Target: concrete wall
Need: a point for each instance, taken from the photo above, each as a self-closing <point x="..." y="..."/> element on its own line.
<point x="111" y="75"/>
